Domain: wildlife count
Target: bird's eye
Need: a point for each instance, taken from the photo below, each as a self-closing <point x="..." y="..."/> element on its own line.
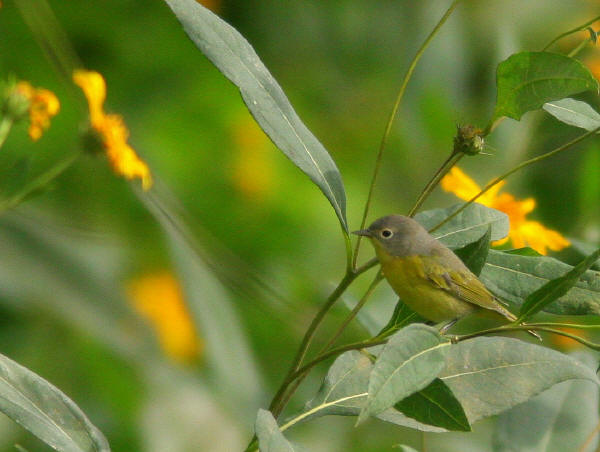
<point x="386" y="233"/>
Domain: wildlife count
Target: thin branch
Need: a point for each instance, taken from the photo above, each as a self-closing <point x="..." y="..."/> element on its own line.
<point x="514" y="170"/>
<point x="354" y="312"/>
<point x="570" y="32"/>
<point x="39" y="182"/>
<point x="526" y="327"/>
<point x="441" y="172"/>
<point x="390" y="122"/>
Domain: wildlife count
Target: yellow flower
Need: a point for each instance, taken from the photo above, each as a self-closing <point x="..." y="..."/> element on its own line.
<point x="523" y="232"/>
<point x="158" y="297"/>
<point x="43" y="105"/>
<point x="112" y="130"/>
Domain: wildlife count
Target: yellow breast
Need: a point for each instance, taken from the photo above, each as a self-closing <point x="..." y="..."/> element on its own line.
<point x="407" y="277"/>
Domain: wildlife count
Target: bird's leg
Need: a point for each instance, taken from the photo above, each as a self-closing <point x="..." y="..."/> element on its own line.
<point x="448" y="325"/>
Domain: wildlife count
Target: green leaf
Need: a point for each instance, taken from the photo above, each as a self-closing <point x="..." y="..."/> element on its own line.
<point x="527" y="80"/>
<point x="574" y="113"/>
<point x="435" y="405"/>
<point x="270" y="438"/>
<point x="475" y="254"/>
<point x="344" y="393"/>
<point x="46" y="412"/>
<point x="411" y="360"/>
<point x="513" y="277"/>
<point x="556" y="288"/>
<point x="467" y="227"/>
<point x="401" y="317"/>
<point x="237" y="60"/>
<point x="489" y="375"/>
<point x="559" y="419"/>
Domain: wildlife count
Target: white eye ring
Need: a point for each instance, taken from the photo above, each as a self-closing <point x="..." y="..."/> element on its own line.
<point x="386" y="233"/>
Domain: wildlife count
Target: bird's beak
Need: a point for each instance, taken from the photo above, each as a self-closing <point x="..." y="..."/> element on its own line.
<point x="364" y="232"/>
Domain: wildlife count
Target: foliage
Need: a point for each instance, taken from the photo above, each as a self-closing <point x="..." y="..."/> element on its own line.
<point x="410" y="374"/>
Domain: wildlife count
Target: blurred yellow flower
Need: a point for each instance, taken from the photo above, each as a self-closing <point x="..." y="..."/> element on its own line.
<point x="523" y="232"/>
<point x="566" y="343"/>
<point x="112" y="130"/>
<point x="159" y="298"/>
<point x="592" y="61"/>
<point x="252" y="168"/>
<point x="43" y="105"/>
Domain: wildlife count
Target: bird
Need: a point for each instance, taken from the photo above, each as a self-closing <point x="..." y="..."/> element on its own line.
<point x="426" y="275"/>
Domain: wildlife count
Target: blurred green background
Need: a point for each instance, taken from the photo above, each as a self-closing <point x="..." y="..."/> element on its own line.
<point x="271" y="243"/>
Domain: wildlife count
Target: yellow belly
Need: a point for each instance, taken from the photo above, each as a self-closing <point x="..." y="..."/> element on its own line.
<point x="407" y="278"/>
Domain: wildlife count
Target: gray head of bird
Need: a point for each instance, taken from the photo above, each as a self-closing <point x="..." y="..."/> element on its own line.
<point x="399" y="236"/>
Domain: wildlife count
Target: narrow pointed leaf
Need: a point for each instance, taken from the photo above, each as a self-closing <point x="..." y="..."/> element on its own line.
<point x="467" y="227"/>
<point x="574" y="113"/>
<point x="45" y="411"/>
<point x="270" y="438"/>
<point x="411" y="360"/>
<point x="559" y="419"/>
<point x="435" y="405"/>
<point x="475" y="254"/>
<point x="344" y="393"/>
<point x="489" y="375"/>
<point x="527" y="80"/>
<point x="237" y="60"/>
<point x="556" y="288"/>
<point x="513" y="277"/>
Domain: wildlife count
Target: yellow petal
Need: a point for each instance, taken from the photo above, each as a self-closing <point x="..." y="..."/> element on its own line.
<point x="94" y="88"/>
<point x="43" y="105"/>
<point x="457" y="182"/>
<point x="540" y="238"/>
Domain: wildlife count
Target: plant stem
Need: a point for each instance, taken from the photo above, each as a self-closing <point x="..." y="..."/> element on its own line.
<point x="336" y="351"/>
<point x="346" y="281"/>
<point x="578" y="49"/>
<point x="306" y="368"/>
<point x="514" y="170"/>
<point x="349" y="262"/>
<point x="388" y="128"/>
<point x="38" y="183"/>
<point x="6" y="124"/>
<point x="565" y="325"/>
<point x="567" y="33"/>
<point x="525" y="327"/>
<point x="286" y="391"/>
<point x="452" y="160"/>
<point x="354" y="312"/>
<point x="308" y="336"/>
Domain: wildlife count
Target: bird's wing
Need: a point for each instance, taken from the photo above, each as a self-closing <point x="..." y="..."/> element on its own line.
<point x="464" y="285"/>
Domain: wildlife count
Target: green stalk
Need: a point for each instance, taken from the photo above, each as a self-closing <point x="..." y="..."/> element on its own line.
<point x="570" y="32"/>
<point x="304" y="369"/>
<point x="526" y="327"/>
<point x="39" y="182"/>
<point x="514" y="170"/>
<point x="388" y="127"/>
<point x="354" y="312"/>
<point x="308" y="337"/>
<point x="437" y="177"/>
